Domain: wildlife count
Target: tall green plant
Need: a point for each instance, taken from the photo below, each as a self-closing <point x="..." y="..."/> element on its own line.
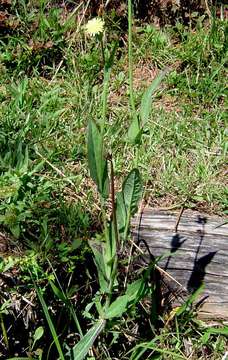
<point x="124" y="206"/>
<point x="110" y="307"/>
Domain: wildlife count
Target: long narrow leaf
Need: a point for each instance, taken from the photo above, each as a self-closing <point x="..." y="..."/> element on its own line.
<point x="21" y="358"/>
<point x="109" y="252"/>
<point x="59" y="292"/>
<point x="94" y="152"/>
<point x="97" y="163"/>
<point x="147" y="97"/>
<point x="99" y="261"/>
<point x="219" y="331"/>
<point x="136" y="354"/>
<point x="132" y="191"/>
<point x="81" y="349"/>
<point x="190" y="300"/>
<point x="50" y="323"/>
<point x="121" y="212"/>
<point x="127" y="201"/>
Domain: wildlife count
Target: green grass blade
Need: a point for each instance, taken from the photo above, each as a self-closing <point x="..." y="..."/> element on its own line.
<point x="219" y="331"/>
<point x="21" y="358"/>
<point x="59" y="292"/>
<point x="81" y="349"/>
<point x="151" y="346"/>
<point x="190" y="301"/>
<point x="50" y="323"/>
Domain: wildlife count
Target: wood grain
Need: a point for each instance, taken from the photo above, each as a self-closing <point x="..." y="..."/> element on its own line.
<point x="197" y="253"/>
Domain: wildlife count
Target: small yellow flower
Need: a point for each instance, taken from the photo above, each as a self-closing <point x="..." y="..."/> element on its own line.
<point x="94" y="26"/>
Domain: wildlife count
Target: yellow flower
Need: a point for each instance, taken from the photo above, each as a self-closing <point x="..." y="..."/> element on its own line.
<point x="94" y="26"/>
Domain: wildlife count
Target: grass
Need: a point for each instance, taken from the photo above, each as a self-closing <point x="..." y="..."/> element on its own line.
<point x="50" y="87"/>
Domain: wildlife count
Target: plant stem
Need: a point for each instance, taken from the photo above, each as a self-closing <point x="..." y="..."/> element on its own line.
<point x="4" y="332"/>
<point x="104" y="101"/>
<point x="104" y="220"/>
<point x="136" y="156"/>
<point x="102" y="50"/>
<point x="126" y="229"/>
<point x="113" y="204"/>
<point x="130" y="60"/>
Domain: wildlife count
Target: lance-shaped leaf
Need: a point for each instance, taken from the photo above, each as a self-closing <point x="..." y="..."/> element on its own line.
<point x="97" y="164"/>
<point x="80" y="350"/>
<point x="134" y="293"/>
<point x="121" y="212"/>
<point x="132" y="191"/>
<point x="146" y="101"/>
<point x="127" y="201"/>
<point x="134" y="130"/>
<point x="98" y="251"/>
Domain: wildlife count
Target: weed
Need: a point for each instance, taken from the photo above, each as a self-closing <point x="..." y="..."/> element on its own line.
<point x="59" y="88"/>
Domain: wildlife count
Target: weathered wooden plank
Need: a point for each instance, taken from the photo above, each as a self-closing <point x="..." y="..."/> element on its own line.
<point x="197" y="253"/>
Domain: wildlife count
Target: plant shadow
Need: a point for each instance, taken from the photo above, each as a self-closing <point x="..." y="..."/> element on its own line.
<point x="168" y="290"/>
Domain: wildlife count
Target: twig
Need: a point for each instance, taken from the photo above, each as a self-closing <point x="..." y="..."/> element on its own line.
<point x="56" y="72"/>
<point x="63" y="175"/>
<point x="163" y="272"/>
<point x="54" y="168"/>
<point x="171" y="207"/>
<point x="208" y="10"/>
<point x="178" y="219"/>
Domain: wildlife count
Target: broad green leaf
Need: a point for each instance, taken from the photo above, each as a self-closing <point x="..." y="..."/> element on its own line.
<point x="134" y="130"/>
<point x="15" y="229"/>
<point x="81" y="349"/>
<point x="132" y="191"/>
<point x="121" y="212"/>
<point x="97" y="163"/>
<point x="127" y="201"/>
<point x="134" y="293"/>
<point x="136" y="127"/>
<point x="137" y="290"/>
<point x="76" y="243"/>
<point x="97" y="249"/>
<point x="146" y="102"/>
<point x="38" y="333"/>
<point x="37" y="168"/>
<point x="95" y="152"/>
<point x="117" y="308"/>
<point x="109" y="251"/>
